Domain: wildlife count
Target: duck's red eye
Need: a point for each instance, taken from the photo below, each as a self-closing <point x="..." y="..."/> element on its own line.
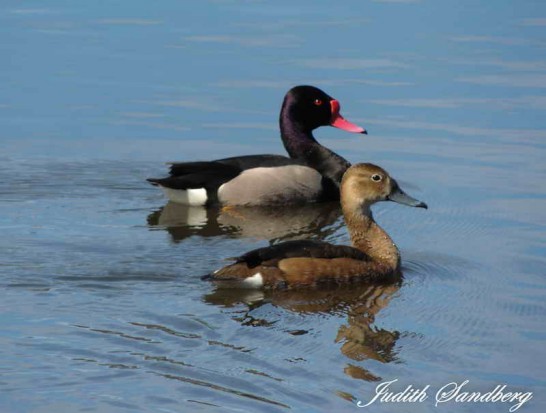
<point x="318" y="102"/>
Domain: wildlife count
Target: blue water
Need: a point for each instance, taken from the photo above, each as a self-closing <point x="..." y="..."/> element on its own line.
<point x="102" y="308"/>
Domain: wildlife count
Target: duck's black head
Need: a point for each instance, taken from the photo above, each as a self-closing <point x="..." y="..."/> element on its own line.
<point x="308" y="108"/>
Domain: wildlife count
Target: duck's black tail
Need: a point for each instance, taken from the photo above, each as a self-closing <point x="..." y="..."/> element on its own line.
<point x="189" y="175"/>
<point x="207" y="277"/>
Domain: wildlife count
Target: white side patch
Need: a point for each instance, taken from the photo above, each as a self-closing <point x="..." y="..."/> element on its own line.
<point x="193" y="197"/>
<point x="256" y="281"/>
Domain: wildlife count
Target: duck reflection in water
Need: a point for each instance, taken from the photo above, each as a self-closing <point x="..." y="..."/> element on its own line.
<point x="359" y="305"/>
<point x="315" y="221"/>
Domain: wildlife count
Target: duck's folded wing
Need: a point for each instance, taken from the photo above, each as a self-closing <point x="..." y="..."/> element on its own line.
<point x="208" y="174"/>
<point x="232" y="165"/>
<point x="259" y="161"/>
<point x="299" y="249"/>
<point x="191" y="168"/>
<point x="188" y="175"/>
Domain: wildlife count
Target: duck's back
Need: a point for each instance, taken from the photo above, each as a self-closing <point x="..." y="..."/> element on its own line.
<point x="294" y="264"/>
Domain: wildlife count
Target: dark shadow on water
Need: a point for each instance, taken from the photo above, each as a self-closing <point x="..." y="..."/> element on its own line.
<point x="360" y="339"/>
<point x="270" y="223"/>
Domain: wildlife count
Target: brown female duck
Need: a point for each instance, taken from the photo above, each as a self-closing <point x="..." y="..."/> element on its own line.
<point x="293" y="264"/>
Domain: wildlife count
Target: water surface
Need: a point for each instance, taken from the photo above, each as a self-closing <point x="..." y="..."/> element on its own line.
<point x="102" y="306"/>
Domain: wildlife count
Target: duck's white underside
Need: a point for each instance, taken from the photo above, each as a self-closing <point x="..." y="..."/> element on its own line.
<point x="194" y="197"/>
<point x="256" y="281"/>
<point x="259" y="186"/>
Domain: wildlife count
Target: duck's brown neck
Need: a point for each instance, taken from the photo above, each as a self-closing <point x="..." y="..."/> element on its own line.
<point x="369" y="237"/>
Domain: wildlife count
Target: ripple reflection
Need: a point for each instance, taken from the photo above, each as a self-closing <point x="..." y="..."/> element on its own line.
<point x="269" y="223"/>
<point x="359" y="338"/>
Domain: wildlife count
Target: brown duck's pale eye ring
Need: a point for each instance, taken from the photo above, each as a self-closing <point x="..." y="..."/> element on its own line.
<point x="376" y="177"/>
<point x="318" y="102"/>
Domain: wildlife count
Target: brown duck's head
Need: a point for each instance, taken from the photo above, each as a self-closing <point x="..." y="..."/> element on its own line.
<point x="364" y="184"/>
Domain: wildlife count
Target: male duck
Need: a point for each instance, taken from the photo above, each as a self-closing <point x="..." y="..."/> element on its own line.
<point x="293" y="264"/>
<point x="312" y="173"/>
